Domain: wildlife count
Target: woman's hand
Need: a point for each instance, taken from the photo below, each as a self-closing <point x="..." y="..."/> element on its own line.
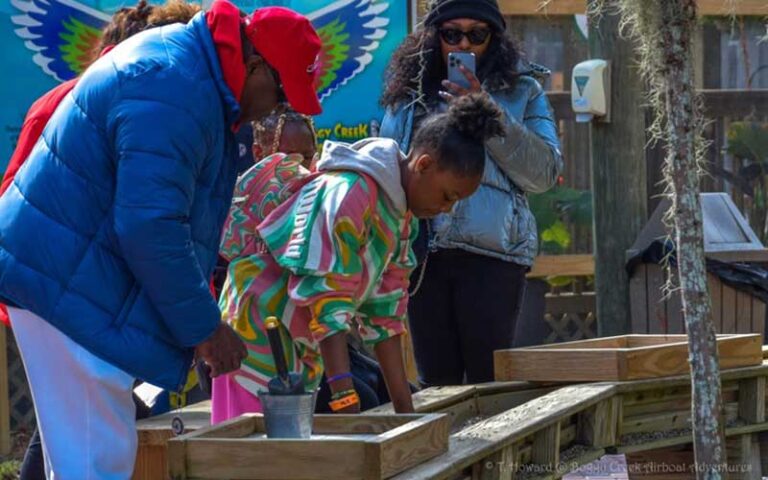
<point x="453" y="90"/>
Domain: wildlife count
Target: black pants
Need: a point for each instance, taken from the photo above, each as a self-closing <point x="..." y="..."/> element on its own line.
<point x="466" y="308"/>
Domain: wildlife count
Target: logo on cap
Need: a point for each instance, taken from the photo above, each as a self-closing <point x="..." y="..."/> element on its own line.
<point x="314" y="66"/>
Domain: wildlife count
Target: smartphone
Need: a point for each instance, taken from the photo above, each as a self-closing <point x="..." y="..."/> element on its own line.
<point x="455" y="75"/>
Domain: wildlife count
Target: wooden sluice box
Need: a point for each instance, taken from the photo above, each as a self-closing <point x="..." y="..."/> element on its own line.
<point x="350" y="447"/>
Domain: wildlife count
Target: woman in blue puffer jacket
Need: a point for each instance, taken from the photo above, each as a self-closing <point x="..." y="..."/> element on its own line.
<point x="470" y="285"/>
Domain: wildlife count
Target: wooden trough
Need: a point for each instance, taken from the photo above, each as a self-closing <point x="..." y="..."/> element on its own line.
<point x="373" y="447"/>
<point x="626" y="357"/>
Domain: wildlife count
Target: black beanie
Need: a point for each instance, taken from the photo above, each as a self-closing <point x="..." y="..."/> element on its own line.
<point x="483" y="10"/>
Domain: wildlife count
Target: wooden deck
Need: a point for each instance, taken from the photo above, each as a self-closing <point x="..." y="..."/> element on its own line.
<point x="523" y="430"/>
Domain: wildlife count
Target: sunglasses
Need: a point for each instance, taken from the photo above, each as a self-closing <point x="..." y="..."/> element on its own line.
<point x="453" y="36"/>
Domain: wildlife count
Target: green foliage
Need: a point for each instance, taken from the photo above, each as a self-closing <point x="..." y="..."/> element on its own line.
<point x="554" y="211"/>
<point x="749" y="140"/>
<point x="10" y="470"/>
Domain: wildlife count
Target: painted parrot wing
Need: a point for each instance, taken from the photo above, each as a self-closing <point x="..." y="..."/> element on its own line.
<point x="350" y="31"/>
<point x="62" y="33"/>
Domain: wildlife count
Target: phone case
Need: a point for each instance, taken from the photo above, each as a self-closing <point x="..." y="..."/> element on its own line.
<point x="454" y="74"/>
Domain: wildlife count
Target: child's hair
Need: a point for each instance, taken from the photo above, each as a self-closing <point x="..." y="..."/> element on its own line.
<point x="458" y="136"/>
<point x="269" y="130"/>
<point x="129" y="21"/>
<point x="174" y="11"/>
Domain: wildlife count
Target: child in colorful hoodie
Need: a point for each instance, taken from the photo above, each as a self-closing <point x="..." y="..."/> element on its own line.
<point x="327" y="249"/>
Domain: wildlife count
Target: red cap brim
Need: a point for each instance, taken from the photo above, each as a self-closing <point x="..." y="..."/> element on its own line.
<point x="302" y="95"/>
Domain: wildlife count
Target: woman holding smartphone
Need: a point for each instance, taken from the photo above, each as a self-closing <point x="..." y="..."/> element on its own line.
<point x="469" y="287"/>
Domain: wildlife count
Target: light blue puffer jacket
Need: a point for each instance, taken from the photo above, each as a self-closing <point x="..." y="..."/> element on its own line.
<point x="496" y="220"/>
<point x="111" y="229"/>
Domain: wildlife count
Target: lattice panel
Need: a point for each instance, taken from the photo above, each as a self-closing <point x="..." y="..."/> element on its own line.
<point x="567" y="327"/>
<point x="22" y="409"/>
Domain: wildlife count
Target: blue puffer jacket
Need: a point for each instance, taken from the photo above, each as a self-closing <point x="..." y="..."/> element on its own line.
<point x="111" y="229"/>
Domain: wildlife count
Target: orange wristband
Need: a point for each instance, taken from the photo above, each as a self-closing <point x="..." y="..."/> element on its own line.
<point x="344" y="402"/>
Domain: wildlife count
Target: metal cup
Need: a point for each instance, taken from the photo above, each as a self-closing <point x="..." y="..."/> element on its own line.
<point x="288" y="416"/>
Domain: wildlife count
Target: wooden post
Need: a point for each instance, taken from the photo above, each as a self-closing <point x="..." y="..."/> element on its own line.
<point x="618" y="173"/>
<point x="5" y="407"/>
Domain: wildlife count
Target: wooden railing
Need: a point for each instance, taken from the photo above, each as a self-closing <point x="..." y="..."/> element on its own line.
<point x="521" y="430"/>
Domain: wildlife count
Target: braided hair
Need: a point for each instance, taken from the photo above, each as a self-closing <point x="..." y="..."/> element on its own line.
<point x="269" y="130"/>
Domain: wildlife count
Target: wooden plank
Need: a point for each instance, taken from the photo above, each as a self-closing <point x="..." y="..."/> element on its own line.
<point x="570" y="304"/>
<point x="715" y="287"/>
<point x="482" y="439"/>
<point x="489" y="405"/>
<point x="638" y="299"/>
<point x="657" y="310"/>
<point x="177" y="459"/>
<point x="432" y="399"/>
<point x="584" y="365"/>
<point x="597" y="426"/>
<point x="675" y="403"/>
<point x="729" y="309"/>
<point x="501" y="465"/>
<point x="752" y="400"/>
<point x="676" y="441"/>
<point x="664" y="356"/>
<point x="762" y="438"/>
<point x="743" y="312"/>
<point x="758" y="316"/>
<point x="5" y="406"/>
<point x="411" y="444"/>
<point x="744" y="458"/>
<point x="361" y="424"/>
<point x="665" y="421"/>
<point x="151" y="463"/>
<point x="235" y="459"/>
<point x="685" y="380"/>
<point x="546" y="447"/>
<point x="238" y="427"/>
<point x="677" y="464"/>
<point x="155" y="431"/>
<point x="576" y="7"/>
<point x="562" y="265"/>
<point x="734" y="103"/>
<point x="604" y="342"/>
<point x="674" y="302"/>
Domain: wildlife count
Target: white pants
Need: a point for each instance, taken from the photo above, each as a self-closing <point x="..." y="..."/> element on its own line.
<point x="85" y="411"/>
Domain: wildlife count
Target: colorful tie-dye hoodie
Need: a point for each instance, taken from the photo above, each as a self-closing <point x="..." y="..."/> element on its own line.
<point x="336" y="251"/>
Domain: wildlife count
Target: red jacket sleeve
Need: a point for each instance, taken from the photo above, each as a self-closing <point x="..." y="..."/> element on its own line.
<point x="39" y="113"/>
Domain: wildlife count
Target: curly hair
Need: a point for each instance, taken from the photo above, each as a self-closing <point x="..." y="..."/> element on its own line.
<point x="417" y="67"/>
<point x="458" y="136"/>
<point x="129" y="21"/>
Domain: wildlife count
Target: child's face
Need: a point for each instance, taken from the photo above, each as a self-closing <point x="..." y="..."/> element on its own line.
<point x="431" y="190"/>
<point x="297" y="138"/>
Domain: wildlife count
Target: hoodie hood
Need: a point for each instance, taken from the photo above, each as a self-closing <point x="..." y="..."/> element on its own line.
<point x="379" y="158"/>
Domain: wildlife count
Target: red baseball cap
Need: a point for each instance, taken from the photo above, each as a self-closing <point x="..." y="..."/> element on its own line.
<point x="290" y="45"/>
